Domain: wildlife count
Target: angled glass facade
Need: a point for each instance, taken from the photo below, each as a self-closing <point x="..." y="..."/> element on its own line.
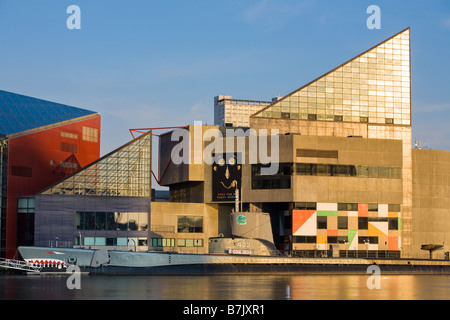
<point x="20" y="113"/>
<point x="125" y="172"/>
<point x="373" y="88"/>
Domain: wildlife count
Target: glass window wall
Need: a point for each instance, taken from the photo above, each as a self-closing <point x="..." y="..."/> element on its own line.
<point x="371" y="88"/>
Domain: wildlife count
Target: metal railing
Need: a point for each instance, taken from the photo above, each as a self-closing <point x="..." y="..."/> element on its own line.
<point x="18" y="265"/>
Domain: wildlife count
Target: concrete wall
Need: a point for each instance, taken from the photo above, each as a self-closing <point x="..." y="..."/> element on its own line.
<point x="164" y="224"/>
<point x="431" y="200"/>
<point x="354" y="151"/>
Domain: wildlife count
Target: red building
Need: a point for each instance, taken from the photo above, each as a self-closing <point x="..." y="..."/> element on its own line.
<point x="41" y="142"/>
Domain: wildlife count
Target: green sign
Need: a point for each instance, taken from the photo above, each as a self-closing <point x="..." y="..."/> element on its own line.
<point x="241" y="219"/>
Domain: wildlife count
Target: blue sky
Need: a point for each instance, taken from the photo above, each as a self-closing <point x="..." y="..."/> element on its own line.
<point x="160" y="63"/>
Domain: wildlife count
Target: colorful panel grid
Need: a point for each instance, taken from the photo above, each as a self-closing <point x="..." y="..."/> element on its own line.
<point x="365" y="228"/>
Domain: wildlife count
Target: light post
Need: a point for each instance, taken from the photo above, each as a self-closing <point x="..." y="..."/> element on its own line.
<point x="367" y="247"/>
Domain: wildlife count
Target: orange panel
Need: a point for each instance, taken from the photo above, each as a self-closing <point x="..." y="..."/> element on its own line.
<point x="299" y="217"/>
<point x="392" y="243"/>
<point x="332" y="232"/>
<point x="363" y="210"/>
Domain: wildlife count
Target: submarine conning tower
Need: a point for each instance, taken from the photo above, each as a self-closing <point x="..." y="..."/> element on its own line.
<point x="251" y="234"/>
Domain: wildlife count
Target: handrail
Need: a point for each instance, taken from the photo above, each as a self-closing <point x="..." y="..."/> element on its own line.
<point x="18" y="265"/>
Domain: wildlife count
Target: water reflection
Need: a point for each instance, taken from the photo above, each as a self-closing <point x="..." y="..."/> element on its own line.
<point x="228" y="287"/>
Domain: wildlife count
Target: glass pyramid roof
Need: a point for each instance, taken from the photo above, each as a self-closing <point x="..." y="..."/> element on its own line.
<point x="20" y="113"/>
<point x="374" y="87"/>
<point x="125" y="172"/>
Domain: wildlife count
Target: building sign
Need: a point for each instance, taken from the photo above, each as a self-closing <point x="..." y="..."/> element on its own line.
<point x="241" y="219"/>
<point x="241" y="252"/>
<point x="226" y="177"/>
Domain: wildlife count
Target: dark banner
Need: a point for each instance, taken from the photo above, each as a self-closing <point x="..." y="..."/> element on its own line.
<point x="226" y="177"/>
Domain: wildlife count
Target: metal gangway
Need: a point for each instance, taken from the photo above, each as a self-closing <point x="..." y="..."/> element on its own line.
<point x="18" y="265"/>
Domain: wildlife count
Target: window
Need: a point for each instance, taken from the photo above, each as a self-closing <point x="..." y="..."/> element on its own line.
<point x="69" y="147"/>
<point x="342" y="222"/>
<point x="69" y="165"/>
<point x="25" y="205"/>
<point x="368" y="240"/>
<point x="69" y="135"/>
<point x="321" y="222"/>
<point x="120" y="221"/>
<point x="162" y="242"/>
<point x="305" y="206"/>
<point x="112" y="242"/>
<point x="304" y="239"/>
<point x="373" y="172"/>
<point x="156" y="242"/>
<point x="383" y="172"/>
<point x="394" y="208"/>
<point x="90" y="134"/>
<point x="190" y="224"/>
<point x="168" y="242"/>
<point x="363" y="223"/>
<point x="347" y="207"/>
<point x="21" y="171"/>
<point x="393" y="223"/>
<point x="314" y="169"/>
<point x="280" y="180"/>
<point x="304" y="169"/>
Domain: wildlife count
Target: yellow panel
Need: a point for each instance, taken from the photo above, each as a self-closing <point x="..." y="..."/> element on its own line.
<point x="322" y="239"/>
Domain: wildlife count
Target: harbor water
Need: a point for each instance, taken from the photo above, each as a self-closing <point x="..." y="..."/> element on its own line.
<point x="226" y="287"/>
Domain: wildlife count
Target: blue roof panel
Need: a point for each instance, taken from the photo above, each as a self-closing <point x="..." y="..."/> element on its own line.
<point x="20" y="113"/>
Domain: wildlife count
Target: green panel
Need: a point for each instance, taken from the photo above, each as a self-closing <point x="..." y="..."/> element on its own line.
<point x="326" y="213"/>
<point x="351" y="236"/>
<point x="399" y="225"/>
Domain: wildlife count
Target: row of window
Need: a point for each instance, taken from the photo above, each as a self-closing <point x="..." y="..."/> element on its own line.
<point x="372" y="207"/>
<point x="20" y="171"/>
<point x="360" y="171"/>
<point x="130" y="221"/>
<point x="331" y="170"/>
<point x="69" y="147"/>
<point x="69" y="135"/>
<point x="363" y="222"/>
<point x="104" y="241"/>
<point x="120" y="221"/>
<point x="338" y="118"/>
<point x="134" y="241"/>
<point x="88" y="134"/>
<point x="170" y="242"/>
<point x="335" y="239"/>
<point x="282" y="179"/>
